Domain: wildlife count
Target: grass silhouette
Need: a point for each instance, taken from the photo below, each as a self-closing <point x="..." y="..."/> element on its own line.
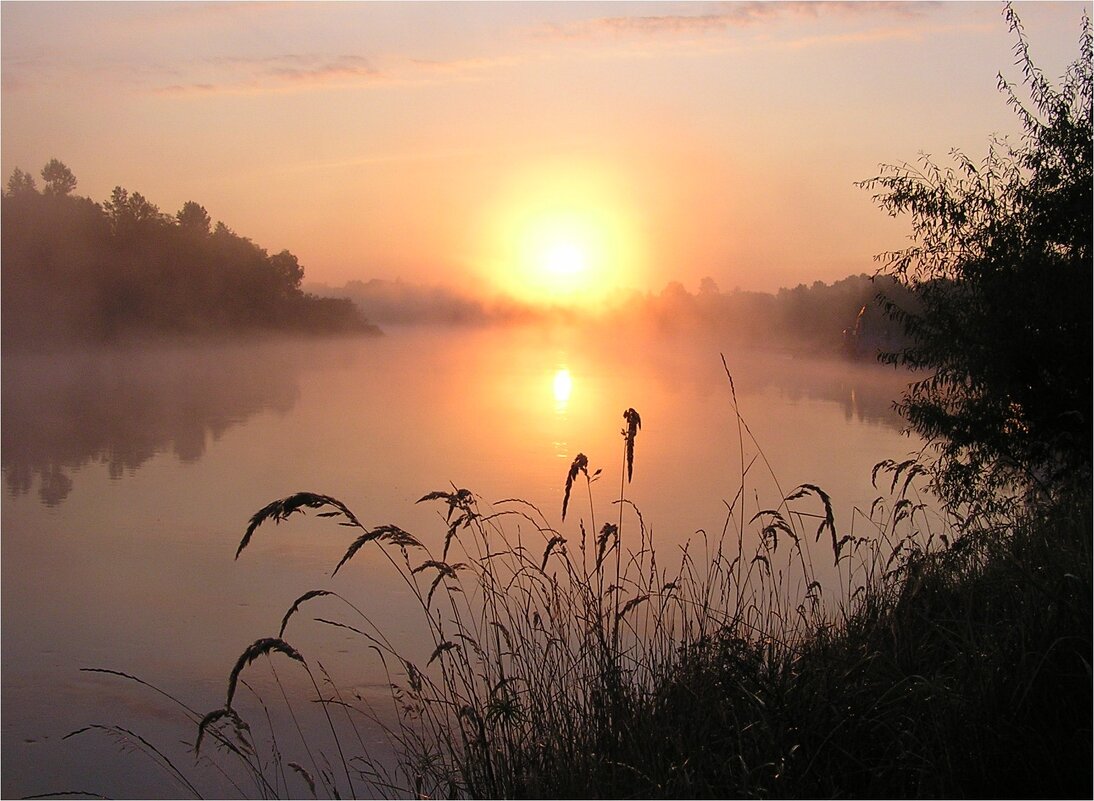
<point x="949" y="657"/>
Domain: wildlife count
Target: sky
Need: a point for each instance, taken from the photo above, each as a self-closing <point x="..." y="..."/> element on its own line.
<point x="536" y="149"/>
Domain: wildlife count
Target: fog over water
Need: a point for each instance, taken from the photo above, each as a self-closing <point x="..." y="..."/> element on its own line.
<point x="130" y="474"/>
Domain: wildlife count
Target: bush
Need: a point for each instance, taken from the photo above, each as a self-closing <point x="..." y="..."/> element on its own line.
<point x="1001" y="270"/>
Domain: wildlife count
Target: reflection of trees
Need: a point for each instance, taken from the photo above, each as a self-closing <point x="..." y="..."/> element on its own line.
<point x="865" y="391"/>
<point x="123" y="406"/>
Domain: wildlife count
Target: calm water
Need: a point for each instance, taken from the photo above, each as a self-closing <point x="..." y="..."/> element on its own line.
<point x="130" y="475"/>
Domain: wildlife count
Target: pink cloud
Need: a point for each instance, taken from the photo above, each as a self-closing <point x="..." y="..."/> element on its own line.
<point x="737" y="15"/>
<point x="287" y="72"/>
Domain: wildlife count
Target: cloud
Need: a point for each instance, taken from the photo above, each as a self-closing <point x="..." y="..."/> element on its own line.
<point x="38" y="72"/>
<point x="737" y="15"/>
<point x="882" y="35"/>
<point x="309" y="71"/>
<point x="188" y="89"/>
<point x="286" y="72"/>
<point x="224" y="75"/>
<point x="315" y="71"/>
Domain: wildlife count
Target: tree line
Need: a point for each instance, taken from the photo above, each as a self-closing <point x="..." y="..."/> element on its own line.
<point x="847" y="316"/>
<point x="75" y="269"/>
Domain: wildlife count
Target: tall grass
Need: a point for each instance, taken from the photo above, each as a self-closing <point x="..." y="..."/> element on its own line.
<point x="948" y="657"/>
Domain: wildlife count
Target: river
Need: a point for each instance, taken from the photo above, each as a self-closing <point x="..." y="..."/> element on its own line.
<point x="130" y="474"/>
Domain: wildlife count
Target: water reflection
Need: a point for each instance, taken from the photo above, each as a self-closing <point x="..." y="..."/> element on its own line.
<point x="865" y="391"/>
<point x="377" y="422"/>
<point x="563" y="385"/>
<point x="121" y="407"/>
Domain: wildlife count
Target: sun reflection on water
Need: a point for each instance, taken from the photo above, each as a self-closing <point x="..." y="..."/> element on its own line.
<point x="563" y="386"/>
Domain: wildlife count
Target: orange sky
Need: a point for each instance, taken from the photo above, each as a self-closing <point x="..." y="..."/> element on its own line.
<point x="466" y="143"/>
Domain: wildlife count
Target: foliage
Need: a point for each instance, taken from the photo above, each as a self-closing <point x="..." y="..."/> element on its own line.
<point x="125" y="268"/>
<point x="58" y="178"/>
<point x="554" y="654"/>
<point x="194" y="218"/>
<point x="953" y="661"/>
<point x="20" y="183"/>
<point x="947" y="658"/>
<point x="1001" y="270"/>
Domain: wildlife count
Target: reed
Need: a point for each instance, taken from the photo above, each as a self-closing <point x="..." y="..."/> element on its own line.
<point x="936" y="654"/>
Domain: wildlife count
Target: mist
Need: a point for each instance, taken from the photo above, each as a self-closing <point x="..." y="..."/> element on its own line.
<point x="122" y="406"/>
<point x="846" y="317"/>
<point x="78" y="271"/>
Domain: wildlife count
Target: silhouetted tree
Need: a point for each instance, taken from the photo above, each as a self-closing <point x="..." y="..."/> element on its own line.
<point x="131" y="213"/>
<point x="117" y="209"/>
<point x="288" y="271"/>
<point x="21" y="183"/>
<point x="193" y="217"/>
<point x="74" y="269"/>
<point x="58" y="178"/>
<point x="1001" y="271"/>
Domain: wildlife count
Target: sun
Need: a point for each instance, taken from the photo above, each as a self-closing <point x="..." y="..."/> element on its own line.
<point x="565" y="259"/>
<point x="561" y="236"/>
<point x="561" y="252"/>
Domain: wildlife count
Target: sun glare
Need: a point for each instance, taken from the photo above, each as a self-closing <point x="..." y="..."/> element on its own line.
<point x="562" y="235"/>
<point x="563" y="386"/>
<point x="565" y="259"/>
<point x="562" y="253"/>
